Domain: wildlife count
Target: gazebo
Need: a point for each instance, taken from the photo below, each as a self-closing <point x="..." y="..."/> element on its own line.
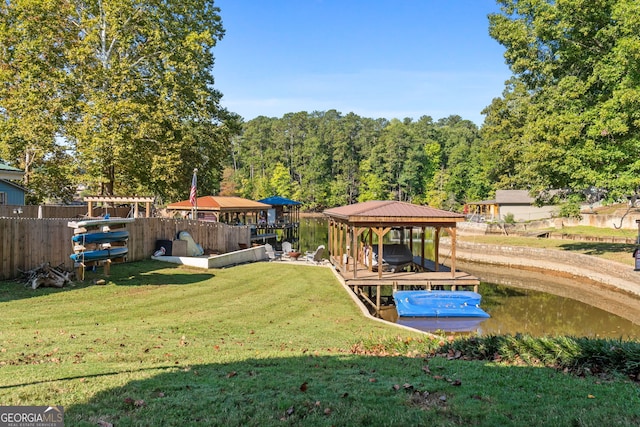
<point x="225" y="209"/>
<point x="351" y="230"/>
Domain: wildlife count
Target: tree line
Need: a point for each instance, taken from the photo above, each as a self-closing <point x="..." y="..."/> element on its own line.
<point x="328" y="159"/>
<point x="120" y="96"/>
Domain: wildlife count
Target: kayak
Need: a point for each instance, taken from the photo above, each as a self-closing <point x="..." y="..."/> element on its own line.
<point x="101" y="237"/>
<point x="100" y="255"/>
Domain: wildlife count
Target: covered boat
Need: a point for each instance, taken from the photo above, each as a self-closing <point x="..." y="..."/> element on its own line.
<point x="394" y="256"/>
<point x="438" y="304"/>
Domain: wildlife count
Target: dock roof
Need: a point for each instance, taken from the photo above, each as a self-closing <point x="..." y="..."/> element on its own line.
<point x="221" y="204"/>
<point x="393" y="213"/>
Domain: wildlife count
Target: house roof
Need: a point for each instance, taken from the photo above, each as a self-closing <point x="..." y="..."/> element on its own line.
<point x="279" y="201"/>
<point x="389" y="212"/>
<point x="517" y="197"/>
<point x="508" y="197"/>
<point x="9" y="172"/>
<point x="220" y="204"/>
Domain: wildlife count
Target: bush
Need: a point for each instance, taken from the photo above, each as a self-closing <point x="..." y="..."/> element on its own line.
<point x="570" y="210"/>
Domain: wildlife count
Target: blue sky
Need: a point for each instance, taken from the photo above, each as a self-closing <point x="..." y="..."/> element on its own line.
<point x="375" y="58"/>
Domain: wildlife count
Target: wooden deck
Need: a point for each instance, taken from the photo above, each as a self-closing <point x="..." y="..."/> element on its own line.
<point x="373" y="289"/>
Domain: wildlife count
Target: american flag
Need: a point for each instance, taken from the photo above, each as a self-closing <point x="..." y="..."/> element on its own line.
<point x="194" y="185"/>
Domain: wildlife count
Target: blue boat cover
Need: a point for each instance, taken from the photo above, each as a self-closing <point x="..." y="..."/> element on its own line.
<point x="279" y="201"/>
<point x="438" y="304"/>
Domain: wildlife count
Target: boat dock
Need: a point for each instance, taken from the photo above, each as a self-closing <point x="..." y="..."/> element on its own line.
<point x="378" y="291"/>
<point x="375" y="272"/>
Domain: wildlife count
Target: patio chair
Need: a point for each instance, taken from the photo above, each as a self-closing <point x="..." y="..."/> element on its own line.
<point x="271" y="254"/>
<point x="287" y="247"/>
<point x="315" y="256"/>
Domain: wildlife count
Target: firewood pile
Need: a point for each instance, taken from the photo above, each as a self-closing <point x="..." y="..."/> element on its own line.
<point x="46" y="275"/>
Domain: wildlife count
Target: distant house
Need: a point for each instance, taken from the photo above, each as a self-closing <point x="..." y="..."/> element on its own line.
<point x="11" y="193"/>
<point x="515" y="202"/>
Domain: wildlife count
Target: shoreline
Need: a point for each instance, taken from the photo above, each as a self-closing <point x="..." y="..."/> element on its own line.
<point x="608" y="285"/>
<point x="560" y="263"/>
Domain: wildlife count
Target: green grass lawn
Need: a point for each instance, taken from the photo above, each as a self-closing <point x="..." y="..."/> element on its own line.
<point x="260" y="345"/>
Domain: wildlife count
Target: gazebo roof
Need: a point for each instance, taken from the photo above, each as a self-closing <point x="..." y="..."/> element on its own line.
<point x="279" y="201"/>
<point x="221" y="204"/>
<point x="393" y="213"/>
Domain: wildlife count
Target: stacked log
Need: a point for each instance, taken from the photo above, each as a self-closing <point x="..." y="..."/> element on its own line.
<point x="47" y="276"/>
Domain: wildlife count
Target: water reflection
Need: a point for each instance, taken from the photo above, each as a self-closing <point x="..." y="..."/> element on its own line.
<point x="525" y="302"/>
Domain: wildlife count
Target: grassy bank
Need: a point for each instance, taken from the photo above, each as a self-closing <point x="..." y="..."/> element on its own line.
<point x="619" y="252"/>
<point x="274" y="344"/>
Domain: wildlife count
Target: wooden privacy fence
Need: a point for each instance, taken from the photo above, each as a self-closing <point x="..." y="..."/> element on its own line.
<point x="26" y="243"/>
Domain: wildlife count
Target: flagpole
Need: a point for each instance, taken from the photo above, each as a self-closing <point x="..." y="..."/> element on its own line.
<point x="193" y="195"/>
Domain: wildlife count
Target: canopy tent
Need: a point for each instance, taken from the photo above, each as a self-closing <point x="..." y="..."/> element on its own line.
<point x="279" y="201"/>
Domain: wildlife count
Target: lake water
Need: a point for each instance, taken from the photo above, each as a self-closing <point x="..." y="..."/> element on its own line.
<point x="524" y="302"/>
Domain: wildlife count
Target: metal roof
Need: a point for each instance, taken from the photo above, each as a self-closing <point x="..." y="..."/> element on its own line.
<point x="393" y="213"/>
<point x="220" y="203"/>
<point x="9" y="172"/>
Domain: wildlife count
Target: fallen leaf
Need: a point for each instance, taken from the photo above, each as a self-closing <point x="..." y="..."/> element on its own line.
<point x="591" y="396"/>
<point x="456" y="382"/>
<point x="232" y="374"/>
<point x="426" y="369"/>
<point x="327" y="411"/>
<point x="290" y="411"/>
<point x="396" y="387"/>
<point x="344" y="395"/>
<point x="372" y="380"/>
<point x="140" y="403"/>
<point x="303" y="387"/>
<point x="104" y="424"/>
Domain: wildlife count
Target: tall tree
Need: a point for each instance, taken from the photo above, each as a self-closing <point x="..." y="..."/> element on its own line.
<point x="34" y="95"/>
<point x="578" y="62"/>
<point x="132" y="87"/>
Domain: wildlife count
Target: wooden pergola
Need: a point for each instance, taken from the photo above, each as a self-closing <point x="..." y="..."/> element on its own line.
<point x="123" y="200"/>
<point x="348" y="223"/>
